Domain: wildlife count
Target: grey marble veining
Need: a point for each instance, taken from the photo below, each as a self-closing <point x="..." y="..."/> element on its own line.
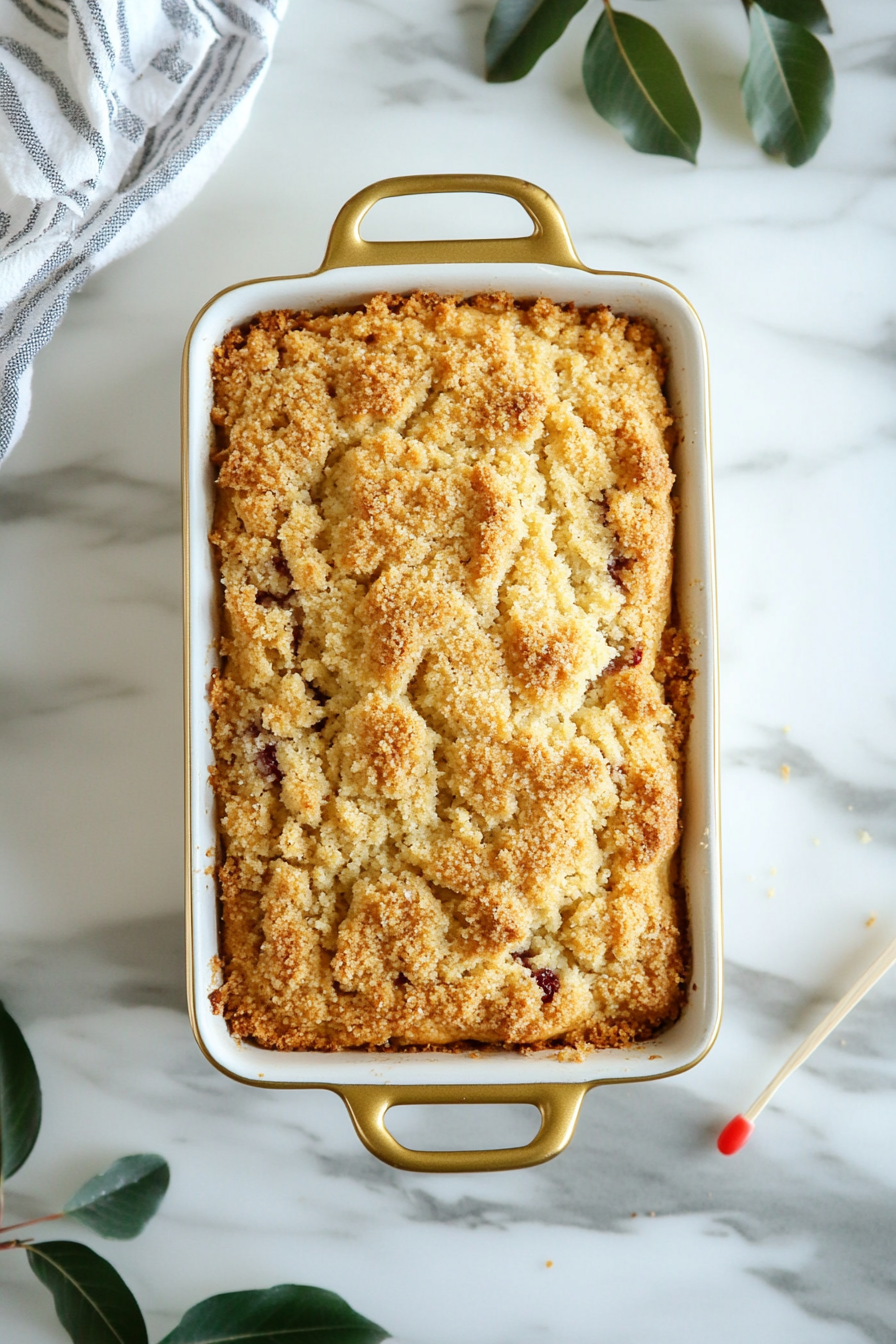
<point x="132" y="963"/>
<point x="792" y="273"/>
<point x="871" y="805"/>
<point x="111" y="505"/>
<point x="20" y="701"/>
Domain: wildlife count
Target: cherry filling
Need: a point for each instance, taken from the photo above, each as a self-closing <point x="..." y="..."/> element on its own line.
<point x="617" y="566"/>
<point x="631" y="659"/>
<point x="548" y="981"/>
<point x="268" y="765"/>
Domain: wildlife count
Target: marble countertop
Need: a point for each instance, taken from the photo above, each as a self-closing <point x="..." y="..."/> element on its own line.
<point x="793" y="275"/>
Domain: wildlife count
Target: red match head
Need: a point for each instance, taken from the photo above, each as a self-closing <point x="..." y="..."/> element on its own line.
<point x="735" y="1135"/>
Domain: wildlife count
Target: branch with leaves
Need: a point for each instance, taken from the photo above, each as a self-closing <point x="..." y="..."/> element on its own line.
<point x="635" y="83"/>
<point x="92" y="1300"/>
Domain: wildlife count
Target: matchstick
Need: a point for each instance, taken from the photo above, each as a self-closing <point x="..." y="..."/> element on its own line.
<point x="737" y="1131"/>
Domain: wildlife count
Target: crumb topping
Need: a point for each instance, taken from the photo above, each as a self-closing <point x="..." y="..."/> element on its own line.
<point x="449" y="722"/>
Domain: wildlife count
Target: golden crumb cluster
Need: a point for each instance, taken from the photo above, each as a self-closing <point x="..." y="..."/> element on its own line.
<point x="446" y="767"/>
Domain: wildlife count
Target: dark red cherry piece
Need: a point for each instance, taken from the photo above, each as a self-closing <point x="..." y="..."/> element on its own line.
<point x="267" y="763"/>
<point x="548" y="982"/>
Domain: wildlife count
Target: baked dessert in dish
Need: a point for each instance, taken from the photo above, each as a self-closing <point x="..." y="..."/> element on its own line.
<point x="449" y="721"/>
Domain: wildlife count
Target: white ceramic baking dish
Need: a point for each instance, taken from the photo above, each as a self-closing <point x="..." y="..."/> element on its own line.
<point x="544" y="263"/>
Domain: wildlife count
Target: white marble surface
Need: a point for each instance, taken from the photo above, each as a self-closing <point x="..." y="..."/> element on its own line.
<point x="793" y="274"/>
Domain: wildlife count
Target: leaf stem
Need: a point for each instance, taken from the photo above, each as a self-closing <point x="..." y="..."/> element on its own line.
<point x="15" y="1243"/>
<point x="29" y="1222"/>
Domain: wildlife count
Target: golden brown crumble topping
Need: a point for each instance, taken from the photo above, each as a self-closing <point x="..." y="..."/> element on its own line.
<point x="449" y="723"/>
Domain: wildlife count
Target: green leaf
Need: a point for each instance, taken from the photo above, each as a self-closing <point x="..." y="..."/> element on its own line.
<point x="787" y="87"/>
<point x="288" y="1314"/>
<point x="636" y="84"/>
<point x="807" y="13"/>
<point x="92" y="1300"/>
<point x="120" y="1201"/>
<point x="19" y="1097"/>
<point x="520" y="31"/>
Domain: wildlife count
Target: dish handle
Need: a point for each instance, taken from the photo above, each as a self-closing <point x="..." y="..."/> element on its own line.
<point x="549" y="242"/>
<point x="559" y="1104"/>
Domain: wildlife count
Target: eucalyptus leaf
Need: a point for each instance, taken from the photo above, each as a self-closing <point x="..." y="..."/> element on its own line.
<point x="807" y="13"/>
<point x="520" y="31"/>
<point x="287" y="1314"/>
<point x="636" y="84"/>
<point x="19" y="1097"/>
<point x="787" y="87"/>
<point x="93" y="1302"/>
<point x="120" y="1201"/>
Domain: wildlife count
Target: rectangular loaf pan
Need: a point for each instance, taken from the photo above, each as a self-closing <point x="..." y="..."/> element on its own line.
<point x="543" y="264"/>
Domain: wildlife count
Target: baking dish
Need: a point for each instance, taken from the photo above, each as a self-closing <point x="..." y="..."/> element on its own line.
<point x="543" y="263"/>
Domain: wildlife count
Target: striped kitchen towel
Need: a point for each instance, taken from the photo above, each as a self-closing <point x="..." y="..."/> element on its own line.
<point x="113" y="114"/>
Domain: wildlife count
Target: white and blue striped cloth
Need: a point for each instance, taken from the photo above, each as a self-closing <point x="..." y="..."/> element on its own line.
<point x="113" y="114"/>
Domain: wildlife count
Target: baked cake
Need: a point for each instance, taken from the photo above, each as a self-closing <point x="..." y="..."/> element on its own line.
<point x="449" y="720"/>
